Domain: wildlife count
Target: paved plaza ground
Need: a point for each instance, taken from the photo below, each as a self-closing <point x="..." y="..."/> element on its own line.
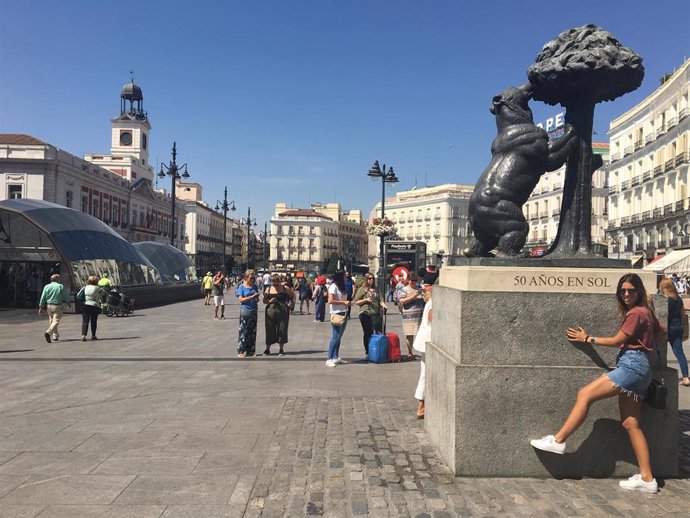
<point x="160" y="418"/>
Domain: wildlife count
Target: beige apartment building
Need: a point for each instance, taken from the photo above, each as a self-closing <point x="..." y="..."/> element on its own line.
<point x="305" y="239"/>
<point x="649" y="208"/>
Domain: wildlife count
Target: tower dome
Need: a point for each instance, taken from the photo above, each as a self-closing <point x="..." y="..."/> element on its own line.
<point x="132" y="101"/>
<point x="131" y="92"/>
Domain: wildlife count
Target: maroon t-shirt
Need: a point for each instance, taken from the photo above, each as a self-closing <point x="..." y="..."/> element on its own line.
<point x="639" y="326"/>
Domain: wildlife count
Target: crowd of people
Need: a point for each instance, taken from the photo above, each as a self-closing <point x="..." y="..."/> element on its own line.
<point x="640" y="332"/>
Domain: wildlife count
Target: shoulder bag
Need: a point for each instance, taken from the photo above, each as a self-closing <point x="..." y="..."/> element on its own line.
<point x="338" y="319"/>
<point x="657" y="391"/>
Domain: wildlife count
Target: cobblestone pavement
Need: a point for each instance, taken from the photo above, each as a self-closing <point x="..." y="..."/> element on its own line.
<point x="160" y="418"/>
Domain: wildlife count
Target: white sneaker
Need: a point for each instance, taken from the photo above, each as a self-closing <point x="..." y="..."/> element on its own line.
<point x="548" y="443"/>
<point x="331" y="363"/>
<point x="635" y="483"/>
<point x="339" y="360"/>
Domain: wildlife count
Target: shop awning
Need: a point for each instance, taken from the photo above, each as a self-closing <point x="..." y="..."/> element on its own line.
<point x="677" y="261"/>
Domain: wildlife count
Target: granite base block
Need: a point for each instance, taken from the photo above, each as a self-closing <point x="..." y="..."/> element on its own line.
<point x="481" y="419"/>
<point x="500" y="371"/>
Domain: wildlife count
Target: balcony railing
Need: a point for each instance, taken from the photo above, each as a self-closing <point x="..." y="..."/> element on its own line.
<point x="627" y="151"/>
<point x="427" y="218"/>
<point x="647" y="215"/>
<point x="625" y="185"/>
<point x="636" y="181"/>
<point x="543" y="214"/>
<point x="555" y="212"/>
<point x="649" y="138"/>
<point x="668" y="165"/>
<point x="658" y="171"/>
<point x="625" y="220"/>
<point x="679" y="205"/>
<point x="635" y="218"/>
<point x="657" y="213"/>
<point x="646" y="176"/>
<point x="682" y="114"/>
<point x="668" y="208"/>
<point x="671" y="122"/>
<point x="615" y="157"/>
<point x="681" y="158"/>
<point x="437" y="235"/>
<point x="638" y="144"/>
<point x="613" y="190"/>
<point x="613" y="223"/>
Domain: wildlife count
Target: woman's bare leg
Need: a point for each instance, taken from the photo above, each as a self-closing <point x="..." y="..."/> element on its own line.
<point x="630" y="419"/>
<point x="600" y="388"/>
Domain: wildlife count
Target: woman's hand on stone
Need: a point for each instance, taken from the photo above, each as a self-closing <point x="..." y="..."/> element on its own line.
<point x="577" y="335"/>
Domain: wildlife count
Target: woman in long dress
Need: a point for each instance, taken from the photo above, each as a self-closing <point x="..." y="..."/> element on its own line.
<point x="248" y="296"/>
<point x="278" y="299"/>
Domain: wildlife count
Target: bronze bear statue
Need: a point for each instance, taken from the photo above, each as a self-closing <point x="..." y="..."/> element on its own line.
<point x="520" y="154"/>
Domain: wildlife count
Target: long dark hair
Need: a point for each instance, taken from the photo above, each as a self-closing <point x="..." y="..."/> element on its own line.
<point x="339" y="280"/>
<point x="635" y="280"/>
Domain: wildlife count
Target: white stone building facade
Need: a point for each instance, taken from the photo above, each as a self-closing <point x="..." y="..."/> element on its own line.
<point x="436" y="216"/>
<point x="114" y="188"/>
<point x="306" y="239"/>
<point x="648" y="174"/>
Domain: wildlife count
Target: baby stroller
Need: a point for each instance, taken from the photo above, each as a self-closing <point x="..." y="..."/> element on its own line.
<point x="118" y="304"/>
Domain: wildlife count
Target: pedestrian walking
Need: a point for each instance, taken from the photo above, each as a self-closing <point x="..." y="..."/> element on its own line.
<point x="629" y="380"/>
<point x="53" y="296"/>
<point x="423" y="336"/>
<point x="676" y="316"/>
<point x="218" y="289"/>
<point x="277" y="299"/>
<point x="411" y="304"/>
<point x="320" y="297"/>
<point x="391" y="288"/>
<point x="207" y="287"/>
<point x="90" y="310"/>
<point x="371" y="309"/>
<point x="305" y="294"/>
<point x="337" y="299"/>
<point x="248" y="296"/>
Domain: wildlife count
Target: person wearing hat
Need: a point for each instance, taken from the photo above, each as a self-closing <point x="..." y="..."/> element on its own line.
<point x="207" y="287"/>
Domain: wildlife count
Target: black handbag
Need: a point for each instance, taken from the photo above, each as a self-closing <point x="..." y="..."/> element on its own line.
<point x="657" y="391"/>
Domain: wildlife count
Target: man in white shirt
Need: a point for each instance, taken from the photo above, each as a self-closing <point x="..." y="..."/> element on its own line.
<point x="266" y="280"/>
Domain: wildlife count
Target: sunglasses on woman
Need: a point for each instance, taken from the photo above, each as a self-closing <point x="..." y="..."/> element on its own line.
<point x="631" y="291"/>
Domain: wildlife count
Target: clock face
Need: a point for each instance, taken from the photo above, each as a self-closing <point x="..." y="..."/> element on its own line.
<point x="126" y="138"/>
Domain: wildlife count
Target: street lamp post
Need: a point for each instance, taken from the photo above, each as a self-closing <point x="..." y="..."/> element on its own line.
<point x="226" y="206"/>
<point x="265" y="245"/>
<point x="386" y="176"/>
<point x="249" y="222"/>
<point x="173" y="170"/>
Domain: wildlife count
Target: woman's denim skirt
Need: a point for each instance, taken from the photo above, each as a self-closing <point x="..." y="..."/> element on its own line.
<point x="632" y="374"/>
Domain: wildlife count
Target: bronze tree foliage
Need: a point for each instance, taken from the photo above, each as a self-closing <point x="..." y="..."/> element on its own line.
<point x="579" y="68"/>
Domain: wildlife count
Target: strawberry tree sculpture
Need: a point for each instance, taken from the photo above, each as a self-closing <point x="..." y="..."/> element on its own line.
<point x="578" y="69"/>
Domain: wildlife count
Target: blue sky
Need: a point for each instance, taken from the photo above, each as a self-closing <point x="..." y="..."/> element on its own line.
<point x="293" y="100"/>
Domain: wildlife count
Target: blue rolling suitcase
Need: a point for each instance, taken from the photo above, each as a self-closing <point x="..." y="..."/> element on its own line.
<point x="378" y="349"/>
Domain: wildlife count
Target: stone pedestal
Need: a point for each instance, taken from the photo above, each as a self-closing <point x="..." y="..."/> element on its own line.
<point x="500" y="371"/>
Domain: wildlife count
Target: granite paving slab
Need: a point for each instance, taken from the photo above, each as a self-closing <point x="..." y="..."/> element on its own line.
<point x="176" y="425"/>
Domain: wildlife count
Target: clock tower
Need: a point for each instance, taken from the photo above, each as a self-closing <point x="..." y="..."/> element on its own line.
<point x="131" y="128"/>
